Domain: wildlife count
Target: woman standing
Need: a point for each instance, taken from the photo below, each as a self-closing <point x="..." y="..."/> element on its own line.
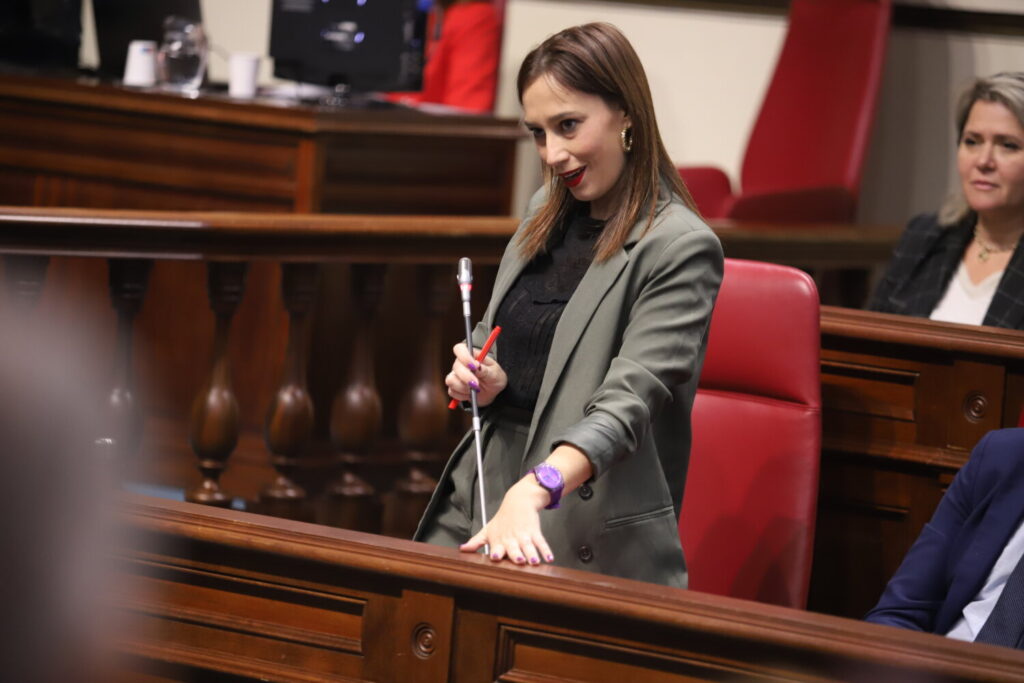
<point x="965" y="264"/>
<point x="604" y="295"/>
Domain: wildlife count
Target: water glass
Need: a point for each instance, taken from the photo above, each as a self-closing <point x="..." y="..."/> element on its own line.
<point x="181" y="61"/>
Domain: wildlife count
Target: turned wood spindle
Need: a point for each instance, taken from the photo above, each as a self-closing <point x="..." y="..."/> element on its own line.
<point x="128" y="279"/>
<point x="214" y="427"/>
<point x="25" y="276"/>
<point x="356" y="412"/>
<point x="423" y="412"/>
<point x="289" y="425"/>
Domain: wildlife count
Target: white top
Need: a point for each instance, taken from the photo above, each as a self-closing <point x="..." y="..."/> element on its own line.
<point x="964" y="301"/>
<point x="976" y="612"/>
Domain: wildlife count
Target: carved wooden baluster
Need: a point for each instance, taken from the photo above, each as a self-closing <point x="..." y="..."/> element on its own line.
<point x="25" y="276"/>
<point x="356" y="412"/>
<point x="128" y="279"/>
<point x="290" y="417"/>
<point x="423" y="412"/>
<point x="214" y="429"/>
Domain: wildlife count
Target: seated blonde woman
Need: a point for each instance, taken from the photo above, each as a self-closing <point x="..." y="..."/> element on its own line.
<point x="965" y="264"/>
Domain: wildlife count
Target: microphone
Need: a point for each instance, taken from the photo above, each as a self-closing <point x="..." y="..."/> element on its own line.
<point x="465" y="278"/>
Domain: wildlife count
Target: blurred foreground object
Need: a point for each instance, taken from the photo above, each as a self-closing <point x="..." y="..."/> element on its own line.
<point x="54" y="492"/>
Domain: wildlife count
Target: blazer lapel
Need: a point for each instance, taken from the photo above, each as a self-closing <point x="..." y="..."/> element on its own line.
<point x="1007" y="307"/>
<point x="577" y="314"/>
<point x="927" y="291"/>
<point x="598" y="279"/>
<point x="993" y="528"/>
<point x="507" y="275"/>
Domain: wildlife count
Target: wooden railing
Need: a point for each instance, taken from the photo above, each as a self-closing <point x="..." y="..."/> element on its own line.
<point x="301" y="473"/>
<point x="213" y="593"/>
<point x="351" y="404"/>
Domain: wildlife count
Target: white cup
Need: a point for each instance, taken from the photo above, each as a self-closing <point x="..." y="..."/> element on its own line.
<point x="243" y="69"/>
<point x="140" y="66"/>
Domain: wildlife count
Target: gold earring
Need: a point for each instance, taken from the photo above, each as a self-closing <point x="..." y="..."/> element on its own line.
<point x="627" y="138"/>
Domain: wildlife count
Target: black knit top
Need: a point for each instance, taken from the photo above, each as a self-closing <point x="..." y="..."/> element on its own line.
<point x="530" y="311"/>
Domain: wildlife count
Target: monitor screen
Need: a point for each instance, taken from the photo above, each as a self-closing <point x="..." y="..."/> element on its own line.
<point x="40" y="33"/>
<point x="119" y="22"/>
<point x="367" y="45"/>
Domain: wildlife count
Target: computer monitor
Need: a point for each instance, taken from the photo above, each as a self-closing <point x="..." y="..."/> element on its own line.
<point x="40" y="33"/>
<point x="367" y="45"/>
<point x="118" y="22"/>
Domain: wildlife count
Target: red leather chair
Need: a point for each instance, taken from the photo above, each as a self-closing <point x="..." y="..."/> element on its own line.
<point x="806" y="152"/>
<point x="747" y="521"/>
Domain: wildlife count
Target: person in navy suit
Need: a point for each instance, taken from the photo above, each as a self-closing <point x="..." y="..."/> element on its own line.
<point x="955" y="572"/>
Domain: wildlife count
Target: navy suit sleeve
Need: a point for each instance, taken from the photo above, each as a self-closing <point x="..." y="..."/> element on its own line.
<point x="917" y="591"/>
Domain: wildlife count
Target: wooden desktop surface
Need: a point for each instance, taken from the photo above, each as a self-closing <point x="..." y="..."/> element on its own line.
<point x="87" y="144"/>
<point x="211" y="593"/>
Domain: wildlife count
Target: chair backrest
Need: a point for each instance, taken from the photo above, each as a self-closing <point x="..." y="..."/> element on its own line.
<point x="747" y="520"/>
<point x="815" y="121"/>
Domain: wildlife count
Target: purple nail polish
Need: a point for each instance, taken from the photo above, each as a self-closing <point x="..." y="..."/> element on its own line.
<point x="473" y="383"/>
<point x="472" y="366"/>
<point x="534" y="560"/>
<point x="495" y="556"/>
<point x="549" y="558"/>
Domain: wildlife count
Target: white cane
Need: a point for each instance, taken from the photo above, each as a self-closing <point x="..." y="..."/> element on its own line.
<point x="465" y="278"/>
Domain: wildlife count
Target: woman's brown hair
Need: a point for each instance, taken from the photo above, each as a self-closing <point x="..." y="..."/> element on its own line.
<point x="598" y="60"/>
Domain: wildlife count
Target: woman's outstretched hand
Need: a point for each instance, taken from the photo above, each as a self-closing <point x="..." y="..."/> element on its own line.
<point x="485" y="377"/>
<point x="514" y="532"/>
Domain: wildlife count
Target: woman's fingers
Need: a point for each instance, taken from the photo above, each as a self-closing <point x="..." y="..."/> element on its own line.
<point x="484" y="377"/>
<point x="475" y="543"/>
<point x="464" y="358"/>
<point x="526" y="549"/>
<point x="461" y="379"/>
<point x="543" y="549"/>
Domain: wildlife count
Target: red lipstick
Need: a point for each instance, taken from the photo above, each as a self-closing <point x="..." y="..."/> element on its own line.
<point x="573" y="178"/>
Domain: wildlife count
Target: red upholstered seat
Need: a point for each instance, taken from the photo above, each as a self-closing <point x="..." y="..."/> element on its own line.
<point x="804" y="158"/>
<point x="747" y="521"/>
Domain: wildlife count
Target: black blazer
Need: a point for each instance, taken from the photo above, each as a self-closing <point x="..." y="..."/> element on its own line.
<point x="924" y="262"/>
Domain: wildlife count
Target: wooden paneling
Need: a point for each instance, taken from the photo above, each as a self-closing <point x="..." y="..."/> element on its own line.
<point x="213" y="164"/>
<point x="904" y="400"/>
<point x="81" y="144"/>
<point x="218" y="592"/>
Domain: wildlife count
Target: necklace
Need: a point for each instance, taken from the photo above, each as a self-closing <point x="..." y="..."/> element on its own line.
<point x="985" y="249"/>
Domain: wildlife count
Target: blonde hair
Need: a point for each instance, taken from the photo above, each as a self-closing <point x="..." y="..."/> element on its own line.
<point x="597" y="59"/>
<point x="1005" y="88"/>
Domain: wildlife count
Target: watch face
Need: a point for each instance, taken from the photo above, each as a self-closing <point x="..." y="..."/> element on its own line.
<point x="549" y="477"/>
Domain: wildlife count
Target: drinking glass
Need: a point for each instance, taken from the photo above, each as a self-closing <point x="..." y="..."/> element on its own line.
<point x="181" y="61"/>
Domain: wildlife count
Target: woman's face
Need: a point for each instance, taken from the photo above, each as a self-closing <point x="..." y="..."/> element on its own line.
<point x="578" y="136"/>
<point x="990" y="159"/>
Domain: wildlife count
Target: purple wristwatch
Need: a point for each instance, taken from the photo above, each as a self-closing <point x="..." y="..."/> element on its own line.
<point x="550" y="479"/>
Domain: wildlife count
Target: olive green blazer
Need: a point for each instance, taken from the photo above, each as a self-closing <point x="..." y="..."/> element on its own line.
<point x="619" y="384"/>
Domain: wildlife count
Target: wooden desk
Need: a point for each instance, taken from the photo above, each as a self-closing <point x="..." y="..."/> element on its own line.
<point x="808" y="245"/>
<point x="213" y="592"/>
<point x="904" y="401"/>
<point x="66" y="143"/>
<point x="76" y="143"/>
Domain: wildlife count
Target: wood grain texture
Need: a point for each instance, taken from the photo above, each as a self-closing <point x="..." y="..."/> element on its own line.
<point x="904" y="402"/>
<point x="371" y="608"/>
